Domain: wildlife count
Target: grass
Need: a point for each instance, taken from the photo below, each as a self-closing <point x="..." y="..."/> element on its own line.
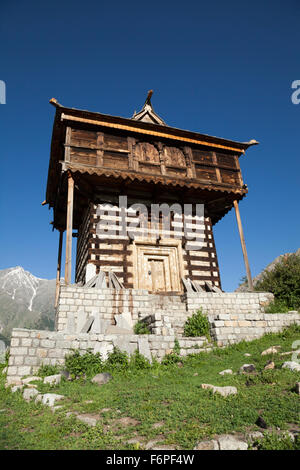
<point x="164" y="402"/>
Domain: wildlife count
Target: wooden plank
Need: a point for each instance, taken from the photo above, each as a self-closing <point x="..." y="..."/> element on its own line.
<point x="165" y="135"/>
<point x="241" y="233"/>
<point x="69" y="224"/>
<point x="58" y="270"/>
<point x="100" y="143"/>
<point x="67" y="144"/>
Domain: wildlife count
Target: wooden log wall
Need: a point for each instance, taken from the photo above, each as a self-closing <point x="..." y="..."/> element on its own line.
<point x="114" y="252"/>
<point x="120" y="152"/>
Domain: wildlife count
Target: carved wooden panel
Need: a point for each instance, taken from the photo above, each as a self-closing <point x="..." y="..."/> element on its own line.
<point x="146" y="152"/>
<point x="157" y="268"/>
<point x="174" y="157"/>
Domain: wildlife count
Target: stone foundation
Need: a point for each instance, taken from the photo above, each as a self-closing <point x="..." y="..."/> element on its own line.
<point x="29" y="349"/>
<point x="232" y="328"/>
<point x="168" y="312"/>
<point x="99" y="319"/>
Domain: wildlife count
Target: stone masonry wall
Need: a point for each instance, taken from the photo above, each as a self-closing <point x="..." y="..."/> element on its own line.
<point x="228" y="302"/>
<point x="29" y="349"/>
<point x="232" y="328"/>
<point x="107" y="302"/>
<point x="168" y="312"/>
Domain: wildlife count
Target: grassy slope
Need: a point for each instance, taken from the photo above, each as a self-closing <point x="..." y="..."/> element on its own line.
<point x="167" y="394"/>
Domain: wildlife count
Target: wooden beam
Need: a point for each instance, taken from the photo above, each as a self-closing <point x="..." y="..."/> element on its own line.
<point x="164" y="135"/>
<point x="58" y="270"/>
<point x="239" y="222"/>
<point x="69" y="224"/>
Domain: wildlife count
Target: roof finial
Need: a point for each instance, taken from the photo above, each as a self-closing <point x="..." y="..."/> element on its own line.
<point x="148" y="99"/>
<point x="147" y="113"/>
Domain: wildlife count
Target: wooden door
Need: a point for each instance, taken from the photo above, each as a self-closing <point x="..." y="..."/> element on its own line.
<point x="158" y="274"/>
<point x="157" y="268"/>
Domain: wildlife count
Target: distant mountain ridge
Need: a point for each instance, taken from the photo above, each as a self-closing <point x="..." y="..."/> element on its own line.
<point x="243" y="287"/>
<point x="25" y="301"/>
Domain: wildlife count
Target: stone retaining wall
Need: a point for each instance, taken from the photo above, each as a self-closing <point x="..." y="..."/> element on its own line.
<point x="232" y="328"/>
<point x="228" y="302"/>
<point x="107" y="302"/>
<point x="29" y="349"/>
<point x="168" y="312"/>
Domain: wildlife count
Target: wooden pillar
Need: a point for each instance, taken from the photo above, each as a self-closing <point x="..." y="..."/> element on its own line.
<point x="58" y="271"/>
<point x="238" y="218"/>
<point x="69" y="224"/>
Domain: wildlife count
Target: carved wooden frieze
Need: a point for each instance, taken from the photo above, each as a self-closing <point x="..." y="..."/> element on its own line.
<point x="146" y="152"/>
<point x="174" y="157"/>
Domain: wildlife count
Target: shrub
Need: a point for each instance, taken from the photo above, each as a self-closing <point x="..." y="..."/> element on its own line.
<point x="197" y="325"/>
<point x="138" y="361"/>
<point x="170" y="359"/>
<point x="176" y="348"/>
<point x="83" y="364"/>
<point x="277" y="306"/>
<point x="283" y="281"/>
<point x="46" y="370"/>
<point x="272" y="441"/>
<point x="117" y="360"/>
<point x="140" y="328"/>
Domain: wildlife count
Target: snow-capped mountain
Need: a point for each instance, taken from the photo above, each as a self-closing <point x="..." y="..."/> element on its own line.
<point x="25" y="300"/>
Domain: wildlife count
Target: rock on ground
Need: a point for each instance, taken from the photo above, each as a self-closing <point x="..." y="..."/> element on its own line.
<point x="30" y="379"/>
<point x="247" y="368"/>
<point x="224" y="442"/>
<point x="254" y="436"/>
<point x="53" y="379"/>
<point x="224" y="391"/>
<point x="50" y="398"/>
<point x="226" y="371"/>
<point x="271" y="350"/>
<point x="228" y="442"/>
<point x="16" y="388"/>
<point x="87" y="419"/>
<point x="269" y="365"/>
<point x="101" y="379"/>
<point x="291" y="365"/>
<point x="207" y="445"/>
<point x="29" y="393"/>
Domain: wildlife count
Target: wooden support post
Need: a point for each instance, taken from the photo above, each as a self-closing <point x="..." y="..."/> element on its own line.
<point x="68" y="265"/>
<point x="61" y="233"/>
<point x="238" y="218"/>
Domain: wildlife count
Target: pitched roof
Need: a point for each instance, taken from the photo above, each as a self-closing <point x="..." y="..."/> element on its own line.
<point x="147" y="113"/>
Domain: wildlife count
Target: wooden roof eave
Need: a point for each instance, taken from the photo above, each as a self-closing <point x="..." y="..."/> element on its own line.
<point x="91" y="117"/>
<point x="149" y="178"/>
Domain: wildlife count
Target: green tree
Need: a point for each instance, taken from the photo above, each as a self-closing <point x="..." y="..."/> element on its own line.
<point x="283" y="281"/>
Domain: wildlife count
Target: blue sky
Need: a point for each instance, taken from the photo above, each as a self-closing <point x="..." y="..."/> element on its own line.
<point x="220" y="68"/>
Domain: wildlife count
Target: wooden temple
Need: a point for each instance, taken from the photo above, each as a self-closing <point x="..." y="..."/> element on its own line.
<point x="95" y="158"/>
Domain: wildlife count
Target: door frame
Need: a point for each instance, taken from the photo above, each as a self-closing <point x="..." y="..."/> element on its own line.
<point x="138" y="243"/>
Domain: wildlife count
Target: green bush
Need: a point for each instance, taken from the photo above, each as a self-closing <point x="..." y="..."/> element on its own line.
<point x="87" y="364"/>
<point x="176" y="348"/>
<point x="283" y="281"/>
<point x="272" y="441"/>
<point x="277" y="306"/>
<point x="197" y="325"/>
<point x="140" y="328"/>
<point x="46" y="370"/>
<point x="117" y="360"/>
<point x="170" y="359"/>
<point x="138" y="361"/>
